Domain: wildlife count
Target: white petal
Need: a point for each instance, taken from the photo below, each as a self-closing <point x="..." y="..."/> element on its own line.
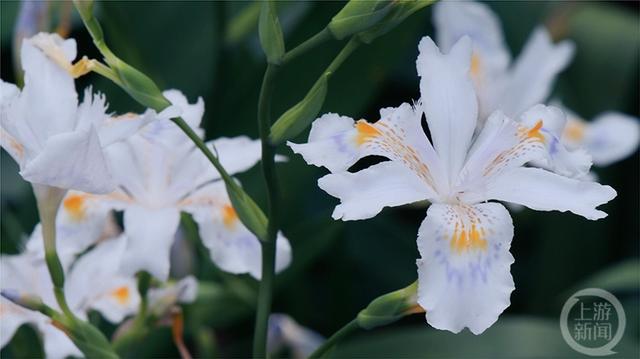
<point x="184" y="291"/>
<point x="95" y="282"/>
<point x="534" y="72"/>
<point x="329" y="143"/>
<point x="559" y="159"/>
<point x="49" y="90"/>
<point x="192" y="114"/>
<point x="161" y="129"/>
<point x="455" y="19"/>
<point x="14" y="316"/>
<point x="365" y="193"/>
<point x="57" y="344"/>
<point x="150" y="234"/>
<point x="231" y="245"/>
<point x="236" y="154"/>
<point x="285" y="332"/>
<point x="611" y="137"/>
<point x="490" y="59"/>
<point x="17" y="136"/>
<point x="80" y="223"/>
<point x="8" y="94"/>
<point x="17" y="275"/>
<point x="337" y="142"/>
<point x="545" y="191"/>
<point x="72" y="160"/>
<point x="463" y="272"/>
<point x="502" y="144"/>
<point x="449" y="100"/>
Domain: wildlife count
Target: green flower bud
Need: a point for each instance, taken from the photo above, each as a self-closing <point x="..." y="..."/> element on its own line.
<point x="247" y="210"/>
<point x="400" y="10"/>
<point x="270" y="33"/>
<point x="28" y="301"/>
<point x="390" y="308"/>
<point x="358" y="16"/>
<point x="91" y="342"/>
<point x="138" y="85"/>
<point x="297" y="118"/>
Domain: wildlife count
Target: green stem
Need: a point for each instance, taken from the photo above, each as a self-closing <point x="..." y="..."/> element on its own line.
<point x="265" y="290"/>
<point x="345" y="331"/>
<point x="346" y="51"/>
<point x="307" y="45"/>
<point x="48" y="200"/>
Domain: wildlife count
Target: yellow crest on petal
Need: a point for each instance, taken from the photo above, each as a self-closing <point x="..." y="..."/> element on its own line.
<point x="365" y="132"/>
<point x="75" y="206"/>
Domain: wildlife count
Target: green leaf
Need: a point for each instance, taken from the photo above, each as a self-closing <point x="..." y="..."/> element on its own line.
<point x="270" y="33"/>
<point x="620" y="277"/>
<point x="510" y="337"/>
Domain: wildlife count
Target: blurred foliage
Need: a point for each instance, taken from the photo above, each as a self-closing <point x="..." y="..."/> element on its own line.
<point x="211" y="49"/>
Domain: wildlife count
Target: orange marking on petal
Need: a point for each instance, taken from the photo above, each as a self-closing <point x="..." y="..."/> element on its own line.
<point x="475" y="64"/>
<point x="75" y="206"/>
<point x="574" y="131"/>
<point x="365" y="132"/>
<point x="534" y="132"/>
<point x="229" y="216"/>
<point x="466" y="240"/>
<point x="122" y="295"/>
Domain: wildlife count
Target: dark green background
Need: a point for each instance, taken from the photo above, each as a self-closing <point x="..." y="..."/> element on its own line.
<point x="212" y="50"/>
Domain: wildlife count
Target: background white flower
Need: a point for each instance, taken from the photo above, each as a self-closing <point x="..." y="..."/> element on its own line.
<point x="56" y="141"/>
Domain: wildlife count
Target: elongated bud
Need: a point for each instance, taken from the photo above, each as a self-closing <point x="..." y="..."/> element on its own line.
<point x="357" y="16"/>
<point x="270" y="33"/>
<point x="248" y="211"/>
<point x="297" y="118"/>
<point x="135" y="83"/>
<point x="400" y="10"/>
<point x="91" y="342"/>
<point x="390" y="308"/>
<point x="139" y="86"/>
<point x="27" y="301"/>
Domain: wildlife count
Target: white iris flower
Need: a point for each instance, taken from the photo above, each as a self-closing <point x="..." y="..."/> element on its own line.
<point x="463" y="272"/>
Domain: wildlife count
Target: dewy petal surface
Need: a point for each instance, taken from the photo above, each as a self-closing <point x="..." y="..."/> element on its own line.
<point x="542" y="190"/>
<point x="463" y="272"/>
<point x="449" y="101"/>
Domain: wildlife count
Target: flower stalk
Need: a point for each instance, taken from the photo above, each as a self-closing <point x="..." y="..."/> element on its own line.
<point x="265" y="292"/>
<point x="48" y="201"/>
<point x="385" y="309"/>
